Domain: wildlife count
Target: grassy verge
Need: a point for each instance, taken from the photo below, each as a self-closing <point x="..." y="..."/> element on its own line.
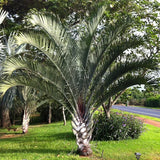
<point x="55" y="141"/>
<point x="147" y="107"/>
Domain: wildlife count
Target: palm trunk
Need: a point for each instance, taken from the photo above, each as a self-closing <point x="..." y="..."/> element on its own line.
<point x="26" y="119"/>
<point x="5" y="118"/>
<point x="49" y="114"/>
<point x="83" y="131"/>
<point x="64" y="116"/>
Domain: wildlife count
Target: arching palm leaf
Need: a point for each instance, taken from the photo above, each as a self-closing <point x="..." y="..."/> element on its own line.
<point x="3" y="15"/>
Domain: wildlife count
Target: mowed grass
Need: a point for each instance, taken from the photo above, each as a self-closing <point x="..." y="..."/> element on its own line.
<point x="55" y="141"/>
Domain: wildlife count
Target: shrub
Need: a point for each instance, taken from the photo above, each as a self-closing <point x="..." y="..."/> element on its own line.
<point x="118" y="127"/>
<point x="153" y="101"/>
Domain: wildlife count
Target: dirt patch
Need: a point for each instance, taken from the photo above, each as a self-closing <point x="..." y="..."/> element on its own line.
<point x="3" y="136"/>
<point x="148" y="121"/>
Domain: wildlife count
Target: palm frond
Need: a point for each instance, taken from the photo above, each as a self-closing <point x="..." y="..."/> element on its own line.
<point x="34" y="81"/>
<point x="7" y="99"/>
<point x="119" y="85"/>
<point x="120" y="69"/>
<point x="52" y="25"/>
<point x="3" y="15"/>
<point x="109" y="46"/>
<point x="44" y="70"/>
<point x="47" y="46"/>
<point x="10" y="48"/>
<point x="39" y="40"/>
<point x="62" y="63"/>
<point x="112" y="50"/>
<point x="87" y="40"/>
<point x="95" y="20"/>
<point x="13" y="64"/>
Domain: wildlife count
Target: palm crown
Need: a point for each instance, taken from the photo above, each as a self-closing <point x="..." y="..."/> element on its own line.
<point x="83" y="71"/>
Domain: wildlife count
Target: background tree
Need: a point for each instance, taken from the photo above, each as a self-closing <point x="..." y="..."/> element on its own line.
<point x="152" y="95"/>
<point x="111" y="101"/>
<point x="31" y="101"/>
<point x="151" y="90"/>
<point x="138" y="95"/>
<point x="9" y="49"/>
<point x="66" y="9"/>
<point x="126" y="96"/>
<point x="3" y="14"/>
<point x="52" y="111"/>
<point x="5" y="106"/>
<point x="81" y="71"/>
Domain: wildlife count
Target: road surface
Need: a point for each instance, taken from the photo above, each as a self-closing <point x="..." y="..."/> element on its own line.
<point x="139" y="110"/>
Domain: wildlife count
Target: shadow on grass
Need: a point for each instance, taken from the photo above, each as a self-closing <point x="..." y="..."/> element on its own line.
<point x="6" y="133"/>
<point x="64" y="136"/>
<point x="68" y="136"/>
<point x="32" y="150"/>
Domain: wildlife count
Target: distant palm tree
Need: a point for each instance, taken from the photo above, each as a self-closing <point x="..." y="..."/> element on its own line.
<point x="30" y="106"/>
<point x="80" y="71"/>
<point x="3" y="15"/>
<point x="31" y="101"/>
<point x="5" y="120"/>
<point x="9" y="48"/>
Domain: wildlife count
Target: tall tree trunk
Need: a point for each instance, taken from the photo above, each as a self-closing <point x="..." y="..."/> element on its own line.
<point x="49" y="114"/>
<point x="26" y="119"/>
<point x="64" y="116"/>
<point x="5" y="118"/>
<point x="83" y="128"/>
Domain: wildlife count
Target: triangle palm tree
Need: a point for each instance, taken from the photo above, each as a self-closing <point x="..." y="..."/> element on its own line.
<point x="30" y="105"/>
<point x="3" y="15"/>
<point x="8" y="97"/>
<point x="31" y="101"/>
<point x="80" y="71"/>
<point x="6" y="103"/>
<point x="7" y="48"/>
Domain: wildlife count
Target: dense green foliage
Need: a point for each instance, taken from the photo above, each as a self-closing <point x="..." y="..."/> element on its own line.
<point x="63" y="8"/>
<point x="118" y="127"/>
<point x="134" y="96"/>
<point x="149" y="96"/>
<point x="153" y="101"/>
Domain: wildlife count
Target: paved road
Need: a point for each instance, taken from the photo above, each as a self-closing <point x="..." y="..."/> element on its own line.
<point x="139" y="110"/>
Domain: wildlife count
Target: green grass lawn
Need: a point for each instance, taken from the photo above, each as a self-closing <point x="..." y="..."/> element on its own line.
<point x="55" y="141"/>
